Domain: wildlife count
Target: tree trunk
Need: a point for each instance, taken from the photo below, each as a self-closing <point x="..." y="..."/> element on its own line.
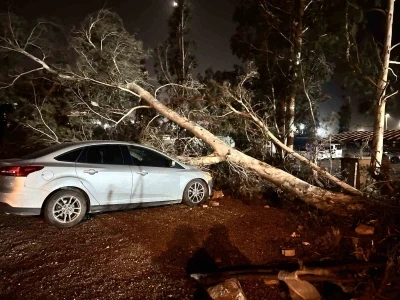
<point x="296" y="59"/>
<point x="281" y="126"/>
<point x="291" y="126"/>
<point x="312" y="195"/>
<point x="379" y="122"/>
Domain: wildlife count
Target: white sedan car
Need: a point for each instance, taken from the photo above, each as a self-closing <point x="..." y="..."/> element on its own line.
<point x="67" y="181"/>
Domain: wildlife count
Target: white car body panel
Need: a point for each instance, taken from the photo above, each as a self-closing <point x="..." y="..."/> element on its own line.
<point x="112" y="185"/>
<point x="155" y="184"/>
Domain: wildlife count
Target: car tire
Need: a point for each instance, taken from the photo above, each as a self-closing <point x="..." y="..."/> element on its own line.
<point x="195" y="193"/>
<point x="65" y="208"/>
<point x="395" y="160"/>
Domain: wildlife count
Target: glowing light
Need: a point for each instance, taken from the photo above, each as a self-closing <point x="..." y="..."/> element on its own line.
<point x="321" y="131"/>
<point x="302" y="126"/>
<point x="174" y="4"/>
<point x="386" y="121"/>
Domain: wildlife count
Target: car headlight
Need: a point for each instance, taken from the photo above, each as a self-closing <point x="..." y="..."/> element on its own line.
<point x="208" y="176"/>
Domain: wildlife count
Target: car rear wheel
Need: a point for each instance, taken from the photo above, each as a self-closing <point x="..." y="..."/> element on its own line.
<point x="65" y="208"/>
<point x="195" y="193"/>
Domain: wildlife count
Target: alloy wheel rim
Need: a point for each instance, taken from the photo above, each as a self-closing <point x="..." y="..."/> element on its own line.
<point x="196" y="192"/>
<point x="66" y="209"/>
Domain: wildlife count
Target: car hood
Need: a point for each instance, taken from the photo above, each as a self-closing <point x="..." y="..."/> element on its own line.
<point x="187" y="167"/>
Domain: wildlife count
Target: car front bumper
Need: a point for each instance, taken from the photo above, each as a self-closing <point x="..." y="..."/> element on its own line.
<point x="210" y="187"/>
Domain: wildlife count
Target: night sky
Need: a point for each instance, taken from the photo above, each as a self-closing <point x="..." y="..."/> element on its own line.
<point x="211" y="25"/>
<point x="211" y="28"/>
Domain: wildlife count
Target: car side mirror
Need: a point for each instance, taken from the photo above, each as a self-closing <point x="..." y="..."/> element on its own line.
<point x="172" y="163"/>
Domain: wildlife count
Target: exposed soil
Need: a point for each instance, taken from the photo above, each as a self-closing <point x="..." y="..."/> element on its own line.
<point x="148" y="253"/>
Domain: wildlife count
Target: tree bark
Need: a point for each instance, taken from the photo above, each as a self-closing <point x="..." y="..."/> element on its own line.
<point x="296" y="60"/>
<point x="282" y="126"/>
<point x="379" y="122"/>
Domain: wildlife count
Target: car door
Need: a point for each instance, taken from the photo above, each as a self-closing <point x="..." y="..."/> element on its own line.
<point x="102" y="171"/>
<point x="155" y="177"/>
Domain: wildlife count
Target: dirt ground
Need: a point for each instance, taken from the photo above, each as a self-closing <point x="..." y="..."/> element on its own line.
<point x="148" y="253"/>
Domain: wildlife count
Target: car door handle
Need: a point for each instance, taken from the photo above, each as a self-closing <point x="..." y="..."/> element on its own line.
<point x="91" y="171"/>
<point x="143" y="173"/>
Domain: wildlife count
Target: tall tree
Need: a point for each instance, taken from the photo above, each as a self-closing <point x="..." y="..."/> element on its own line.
<point x="295" y="67"/>
<point x="381" y="87"/>
<point x="174" y="59"/>
<point x="284" y="41"/>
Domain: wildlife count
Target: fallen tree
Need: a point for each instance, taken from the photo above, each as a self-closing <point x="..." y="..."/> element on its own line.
<point x="312" y="195"/>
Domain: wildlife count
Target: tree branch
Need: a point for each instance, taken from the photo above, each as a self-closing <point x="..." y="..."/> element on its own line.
<point x="130" y="111"/>
<point x="203" y="161"/>
<point x="19" y="76"/>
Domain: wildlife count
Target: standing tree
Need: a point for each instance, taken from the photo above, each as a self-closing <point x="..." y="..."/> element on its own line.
<point x="283" y="38"/>
<point x="296" y="44"/>
<point x="174" y="66"/>
<point x="381" y="87"/>
<point x="175" y="58"/>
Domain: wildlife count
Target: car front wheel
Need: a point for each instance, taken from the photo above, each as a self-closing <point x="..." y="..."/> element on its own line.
<point x="65" y="208"/>
<point x="195" y="193"/>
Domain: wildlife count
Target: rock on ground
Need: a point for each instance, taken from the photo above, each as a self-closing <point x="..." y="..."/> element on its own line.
<point x="230" y="289"/>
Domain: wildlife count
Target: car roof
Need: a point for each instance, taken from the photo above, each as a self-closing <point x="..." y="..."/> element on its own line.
<point x="69" y="146"/>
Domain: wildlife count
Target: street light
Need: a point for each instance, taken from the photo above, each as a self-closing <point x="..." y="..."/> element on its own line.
<point x="386" y="117"/>
<point x="174" y="4"/>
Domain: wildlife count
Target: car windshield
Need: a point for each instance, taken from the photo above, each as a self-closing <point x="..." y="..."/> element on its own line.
<point x="47" y="150"/>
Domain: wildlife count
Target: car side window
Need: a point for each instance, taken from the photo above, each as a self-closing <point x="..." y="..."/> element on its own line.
<point x="103" y="154"/>
<point x="145" y="157"/>
<point x="70" y="156"/>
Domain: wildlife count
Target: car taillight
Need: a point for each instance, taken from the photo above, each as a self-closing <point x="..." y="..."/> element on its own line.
<point x="19" y="171"/>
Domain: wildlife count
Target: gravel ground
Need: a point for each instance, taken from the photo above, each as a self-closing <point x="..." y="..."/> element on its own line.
<point x="148" y="253"/>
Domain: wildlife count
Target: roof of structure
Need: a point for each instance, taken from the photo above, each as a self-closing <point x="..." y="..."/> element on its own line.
<point x="359" y="136"/>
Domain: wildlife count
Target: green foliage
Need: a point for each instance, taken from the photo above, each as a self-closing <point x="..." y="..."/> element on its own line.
<point x="105" y="50"/>
<point x="264" y="34"/>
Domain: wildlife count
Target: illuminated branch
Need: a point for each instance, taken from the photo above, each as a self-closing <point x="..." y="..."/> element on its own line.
<point x="19" y="76"/>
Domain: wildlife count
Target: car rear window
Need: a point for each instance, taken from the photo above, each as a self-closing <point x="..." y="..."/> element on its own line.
<point x="71" y="156"/>
<point x="47" y="151"/>
<point x="102" y="154"/>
